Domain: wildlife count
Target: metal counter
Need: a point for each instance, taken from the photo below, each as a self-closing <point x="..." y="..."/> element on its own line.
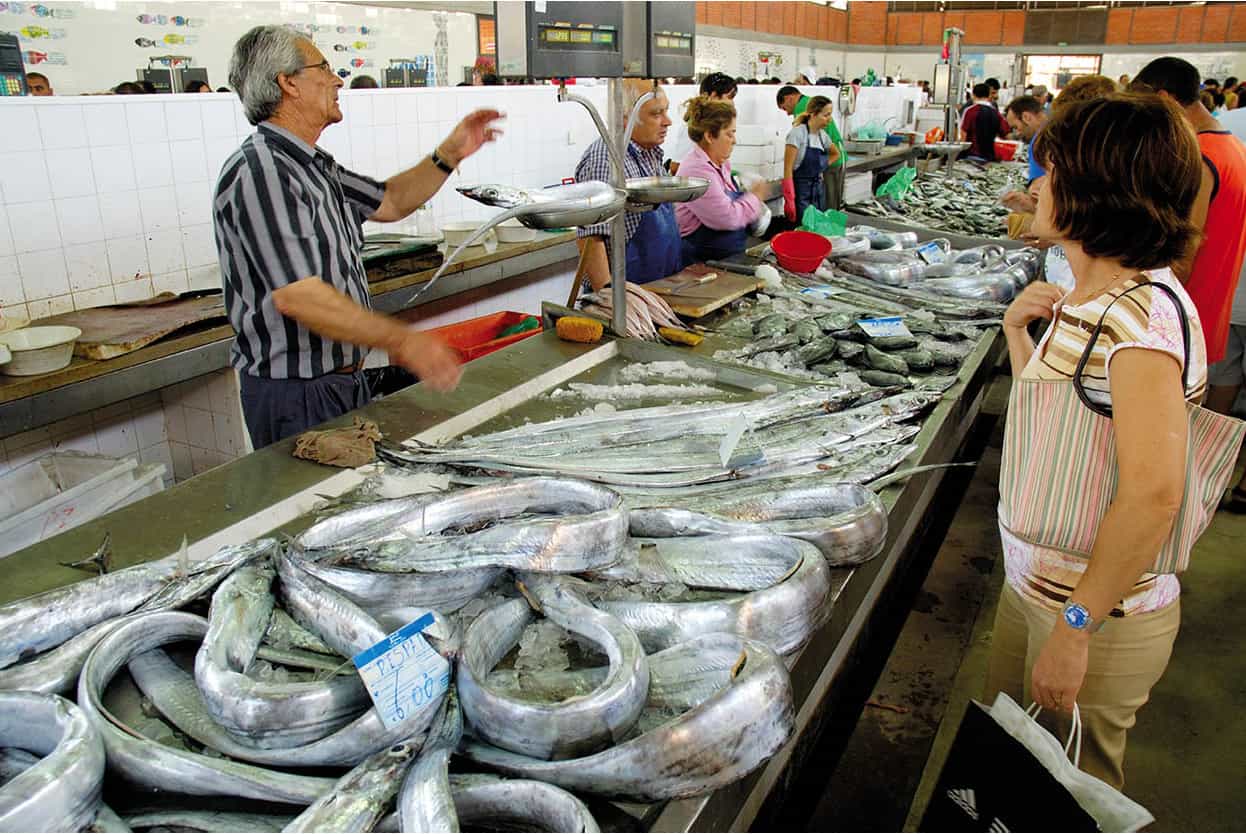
<point x="30" y="402"/>
<point x="261" y="483"/>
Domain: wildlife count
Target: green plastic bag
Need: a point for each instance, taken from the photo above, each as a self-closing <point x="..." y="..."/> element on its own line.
<point x="898" y="184"/>
<point x="829" y="223"/>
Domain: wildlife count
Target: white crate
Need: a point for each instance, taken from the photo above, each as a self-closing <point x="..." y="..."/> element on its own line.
<point x="858" y="187"/>
<point x="753" y="155"/>
<point x="62" y="490"/>
<point x="750" y="135"/>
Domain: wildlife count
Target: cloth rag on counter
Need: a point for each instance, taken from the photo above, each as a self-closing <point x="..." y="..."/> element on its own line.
<point x="348" y="447"/>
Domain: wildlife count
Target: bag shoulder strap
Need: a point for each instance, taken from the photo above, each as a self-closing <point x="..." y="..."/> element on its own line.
<point x="1079" y="387"/>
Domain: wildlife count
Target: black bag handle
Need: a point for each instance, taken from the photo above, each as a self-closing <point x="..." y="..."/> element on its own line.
<point x="1106" y="410"/>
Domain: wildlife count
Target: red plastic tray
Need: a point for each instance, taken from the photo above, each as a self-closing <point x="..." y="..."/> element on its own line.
<point x="479" y="336"/>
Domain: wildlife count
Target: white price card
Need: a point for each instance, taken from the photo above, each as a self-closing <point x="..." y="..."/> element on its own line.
<point x="932" y="253"/>
<point x="888" y="326"/>
<point x="822" y="291"/>
<point x="403" y="673"/>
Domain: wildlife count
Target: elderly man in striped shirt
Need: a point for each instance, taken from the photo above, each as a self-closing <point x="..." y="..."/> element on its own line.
<point x="288" y="223"/>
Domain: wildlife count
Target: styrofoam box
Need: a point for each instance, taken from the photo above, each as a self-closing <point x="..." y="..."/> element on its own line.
<point x="858" y="187"/>
<point x="754" y="154"/>
<point x="756" y="170"/>
<point x="755" y="135"/>
<point x="62" y="490"/>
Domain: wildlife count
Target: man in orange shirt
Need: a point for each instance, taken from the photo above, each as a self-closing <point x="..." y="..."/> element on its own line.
<point x="1210" y="274"/>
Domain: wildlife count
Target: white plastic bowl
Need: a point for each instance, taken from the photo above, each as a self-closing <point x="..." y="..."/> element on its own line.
<point x="512" y="231"/>
<point x="456" y="233"/>
<point x="39" y="350"/>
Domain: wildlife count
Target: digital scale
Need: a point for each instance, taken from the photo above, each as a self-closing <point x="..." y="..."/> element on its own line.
<point x="595" y="40"/>
<point x="12" y="69"/>
<point x="174" y="75"/>
<point x="406" y="72"/>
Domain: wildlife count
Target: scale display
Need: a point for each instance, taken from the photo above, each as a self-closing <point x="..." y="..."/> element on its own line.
<point x="12" y="70"/>
<point x="595" y="40"/>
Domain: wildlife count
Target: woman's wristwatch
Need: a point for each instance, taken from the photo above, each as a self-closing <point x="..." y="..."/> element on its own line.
<point x="1078" y="618"/>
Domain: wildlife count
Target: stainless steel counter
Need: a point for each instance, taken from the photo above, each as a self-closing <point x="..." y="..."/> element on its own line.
<point x="30" y="402"/>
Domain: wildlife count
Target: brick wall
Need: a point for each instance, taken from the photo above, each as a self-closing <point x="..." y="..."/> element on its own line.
<point x="868" y="23"/>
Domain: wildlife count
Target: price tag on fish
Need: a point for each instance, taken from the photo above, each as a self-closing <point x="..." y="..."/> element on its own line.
<point x="880" y="327"/>
<point x="932" y="253"/>
<point x="404" y="675"/>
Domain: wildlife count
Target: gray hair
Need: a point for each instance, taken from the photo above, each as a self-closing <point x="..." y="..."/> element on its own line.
<point x="259" y="57"/>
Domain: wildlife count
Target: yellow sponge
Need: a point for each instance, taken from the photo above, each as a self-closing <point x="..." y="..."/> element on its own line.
<point x="680" y="337"/>
<point x="579" y="329"/>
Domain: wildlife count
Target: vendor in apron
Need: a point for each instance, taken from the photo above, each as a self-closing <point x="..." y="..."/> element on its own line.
<point x="716" y="224"/>
<point x="806" y="154"/>
<point x="653" y="245"/>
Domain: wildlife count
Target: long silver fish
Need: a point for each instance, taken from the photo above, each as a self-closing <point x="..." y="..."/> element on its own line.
<point x="783" y="616"/>
<point x="360" y="797"/>
<point x="715" y="743"/>
<point x="518" y="805"/>
<point x="41" y="622"/>
<point x="14" y="761"/>
<point x="153" y="765"/>
<point x="173" y="692"/>
<point x="574" y="727"/>
<point x="425" y="802"/>
<point x="61" y="792"/>
<point x="206" y="821"/>
<point x="269" y="714"/>
<point x="57" y="670"/>
<point x="107" y="821"/>
<point x="847" y="522"/>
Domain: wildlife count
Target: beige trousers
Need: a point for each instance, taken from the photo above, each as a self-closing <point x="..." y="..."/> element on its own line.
<point x="1127" y="657"/>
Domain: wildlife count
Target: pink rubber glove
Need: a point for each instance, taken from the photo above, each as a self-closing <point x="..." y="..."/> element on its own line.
<point x="789" y="199"/>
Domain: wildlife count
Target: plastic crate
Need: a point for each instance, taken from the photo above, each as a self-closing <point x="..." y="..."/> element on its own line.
<point x="479" y="336"/>
<point x="62" y="490"/>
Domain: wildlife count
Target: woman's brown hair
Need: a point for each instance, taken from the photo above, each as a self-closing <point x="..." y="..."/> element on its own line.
<point x="815" y="106"/>
<point x="1123" y="174"/>
<point x="706" y="117"/>
<point x="1083" y="88"/>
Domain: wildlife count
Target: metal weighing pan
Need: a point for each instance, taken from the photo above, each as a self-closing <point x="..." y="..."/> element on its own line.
<point x="657" y="190"/>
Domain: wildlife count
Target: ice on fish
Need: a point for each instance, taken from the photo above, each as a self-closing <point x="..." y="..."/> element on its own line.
<point x="634" y="391"/>
<point x="676" y="369"/>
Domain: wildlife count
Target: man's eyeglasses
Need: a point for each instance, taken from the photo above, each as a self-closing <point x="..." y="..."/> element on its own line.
<point x="323" y="65"/>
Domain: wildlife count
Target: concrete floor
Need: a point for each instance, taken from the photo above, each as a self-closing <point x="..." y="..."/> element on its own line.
<point x="1185" y="760"/>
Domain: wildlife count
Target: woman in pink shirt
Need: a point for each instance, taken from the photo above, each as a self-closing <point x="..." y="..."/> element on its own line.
<point x="715" y="225"/>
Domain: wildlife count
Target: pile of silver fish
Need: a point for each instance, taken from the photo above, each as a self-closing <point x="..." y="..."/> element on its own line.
<point x="567" y="546"/>
<point x="968" y="203"/>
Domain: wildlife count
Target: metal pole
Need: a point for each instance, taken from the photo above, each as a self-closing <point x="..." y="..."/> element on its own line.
<point x="616" y="116"/>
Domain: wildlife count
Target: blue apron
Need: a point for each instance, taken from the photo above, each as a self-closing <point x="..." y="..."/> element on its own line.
<point x="654" y="251"/>
<point x="706" y="244"/>
<point x="807" y="178"/>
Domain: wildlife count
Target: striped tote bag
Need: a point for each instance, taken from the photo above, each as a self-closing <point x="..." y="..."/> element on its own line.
<point x="1059" y="474"/>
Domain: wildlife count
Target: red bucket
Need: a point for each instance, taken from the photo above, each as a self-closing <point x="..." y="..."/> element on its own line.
<point x="1006" y="149"/>
<point x="800" y="251"/>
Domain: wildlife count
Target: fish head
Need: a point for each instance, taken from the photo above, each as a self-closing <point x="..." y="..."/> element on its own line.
<point x="503" y="196"/>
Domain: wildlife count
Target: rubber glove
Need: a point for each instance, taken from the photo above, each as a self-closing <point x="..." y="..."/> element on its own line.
<point x="789" y="199"/>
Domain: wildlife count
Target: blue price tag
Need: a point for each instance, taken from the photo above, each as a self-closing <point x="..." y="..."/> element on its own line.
<point x="403" y="673"/>
<point x="932" y="253"/>
<point x="888" y="326"/>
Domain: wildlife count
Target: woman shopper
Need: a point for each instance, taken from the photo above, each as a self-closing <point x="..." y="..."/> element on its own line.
<point x="806" y="155"/>
<point x="715" y="225"/>
<point x="1079" y="550"/>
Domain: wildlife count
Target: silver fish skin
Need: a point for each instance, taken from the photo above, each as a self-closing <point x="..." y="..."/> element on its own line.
<point x="108" y="822"/>
<point x="783" y="616"/>
<point x="152" y="765"/>
<point x="284" y="633"/>
<point x="269" y="714"/>
<point x="206" y="821"/>
<point x="715" y="743"/>
<point x="425" y="802"/>
<point x="320" y="609"/>
<point x="41" y="622"/>
<point x="14" y="761"/>
<point x="61" y="792"/>
<point x="697" y="561"/>
<point x="573" y="727"/>
<point x="57" y="670"/>
<point x="172" y="690"/>
<point x="519" y="804"/>
<point x="390" y="594"/>
<point x="360" y="797"/>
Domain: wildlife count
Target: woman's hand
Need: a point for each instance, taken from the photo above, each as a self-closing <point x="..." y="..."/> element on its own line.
<point x="789" y="199"/>
<point x="469" y="135"/>
<point x="1060" y="669"/>
<point x="760" y="190"/>
<point x="1035" y="302"/>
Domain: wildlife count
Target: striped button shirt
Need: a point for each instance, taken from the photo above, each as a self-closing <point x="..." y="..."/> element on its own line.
<point x="595" y="165"/>
<point x="284" y="211"/>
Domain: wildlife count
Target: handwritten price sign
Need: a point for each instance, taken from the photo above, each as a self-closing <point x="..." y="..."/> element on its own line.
<point x="403" y="673"/>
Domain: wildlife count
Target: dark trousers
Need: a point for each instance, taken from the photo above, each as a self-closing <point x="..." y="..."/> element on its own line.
<point x="833" y="182"/>
<point x="275" y="409"/>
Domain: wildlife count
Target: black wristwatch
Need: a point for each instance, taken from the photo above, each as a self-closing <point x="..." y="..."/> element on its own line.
<point x="441" y="163"/>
